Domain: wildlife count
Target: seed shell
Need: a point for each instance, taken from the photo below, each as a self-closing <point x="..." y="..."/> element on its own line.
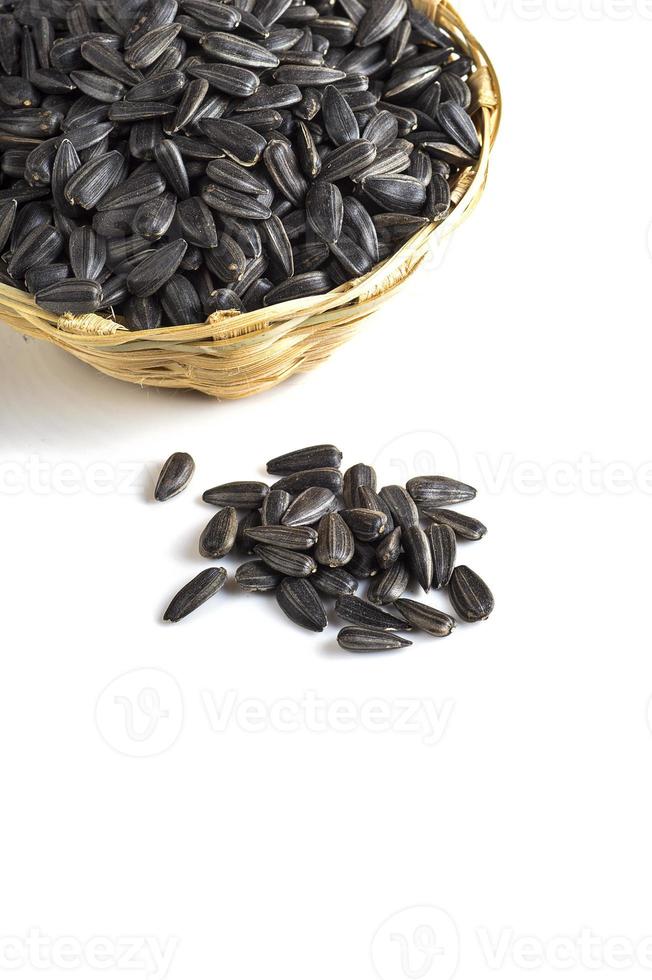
<point x="336" y="545"/>
<point x="310" y="506"/>
<point x="471" y="597"/>
<point x="300" y="602"/>
<point x="362" y="613"/>
<point x="240" y="494"/>
<point x="438" y="491"/>
<point x="175" y="476"/>
<point x="256" y="576"/>
<point x="361" y="639"/>
<point x="402" y="506"/>
<point x="292" y="563"/>
<point x="425" y="618"/>
<point x="292" y="538"/>
<point x="443" y="547"/>
<point x="389" y="585"/>
<point x="218" y="537"/>
<point x="195" y="593"/>
<point x="419" y="555"/>
<point x="312" y="457"/>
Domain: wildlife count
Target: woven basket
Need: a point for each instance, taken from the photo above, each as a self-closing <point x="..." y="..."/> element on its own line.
<point x="235" y="355"/>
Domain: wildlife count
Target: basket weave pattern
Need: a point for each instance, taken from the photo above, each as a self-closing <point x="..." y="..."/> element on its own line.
<point x="233" y="355"/>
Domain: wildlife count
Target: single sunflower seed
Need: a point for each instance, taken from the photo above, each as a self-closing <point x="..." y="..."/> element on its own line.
<point x="443" y="547"/>
<point x="242" y="494"/>
<point x="361" y="639"/>
<point x="425" y="618"/>
<point x="256" y="576"/>
<point x="363" y="613"/>
<point x="201" y="588"/>
<point x="175" y="476"/>
<point x="218" y="537"/>
<point x="310" y="506"/>
<point x="470" y="596"/>
<point x="300" y="602"/>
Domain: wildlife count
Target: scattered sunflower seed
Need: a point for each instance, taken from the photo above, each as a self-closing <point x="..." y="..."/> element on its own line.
<point x="175" y="476"/>
<point x="425" y="618"/>
<point x="361" y="639"/>
<point x="195" y="593"/>
<point x="470" y="596"/>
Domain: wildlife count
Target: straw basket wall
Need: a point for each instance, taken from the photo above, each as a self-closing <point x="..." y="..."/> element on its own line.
<point x="235" y="355"/>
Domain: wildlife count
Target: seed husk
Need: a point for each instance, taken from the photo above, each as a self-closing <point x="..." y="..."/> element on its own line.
<point x="153" y="272"/>
<point x="7" y="217"/>
<point x="283" y="167"/>
<point x="457" y="124"/>
<point x="235" y="50"/>
<point x="402" y="506"/>
<point x="339" y="118"/>
<point x="87" y="252"/>
<point x="334" y="581"/>
<point x="238" y="141"/>
<point x="274" y="506"/>
<point x="39" y="247"/>
<point x="235" y="177"/>
<point x="256" y="576"/>
<point x="70" y="296"/>
<point x="39" y="277"/>
<point x="201" y="588"/>
<point x="366" y="525"/>
<point x="295" y="564"/>
<point x="278" y="535"/>
<point x="218" y="537"/>
<point x="153" y="218"/>
<point x="175" y="476"/>
<point x="180" y="301"/>
<point x="419" y="555"/>
<point x="140" y="187"/>
<point x="425" y="618"/>
<point x="359" y="225"/>
<point x="361" y="639"/>
<point x="300" y="602"/>
<point x="443" y="546"/>
<point x="470" y="596"/>
<point x="240" y="494"/>
<point x="363" y="613"/>
<point x="463" y="525"/>
<point x="311" y="457"/>
<point x="438" y="491"/>
<point x="347" y="160"/>
<point x="325" y="210"/>
<point x="144" y="51"/>
<point x="143" y="313"/>
<point x="336" y="545"/>
<point x="390" y="584"/>
<point x="299" y="286"/>
<point x="310" y="506"/>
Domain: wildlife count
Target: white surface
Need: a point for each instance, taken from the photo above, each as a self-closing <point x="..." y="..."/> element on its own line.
<point x="520" y="358"/>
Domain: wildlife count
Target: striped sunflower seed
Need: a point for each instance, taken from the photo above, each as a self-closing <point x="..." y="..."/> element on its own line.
<point x="238" y="141"/>
<point x="152" y="219"/>
<point x="70" y="296"/>
<point x="283" y="167"/>
<point x="180" y="301"/>
<point x="7" y="217"/>
<point x="334" y="581"/>
<point x="235" y="177"/>
<point x="425" y="618"/>
<point x="256" y="576"/>
<point x="299" y="286"/>
<point x="362" y="613"/>
<point x="389" y="585"/>
<point x="359" y="475"/>
<point x="381" y="18"/>
<point x="278" y="245"/>
<point x="402" y="506"/>
<point x="175" y="476"/>
<point x="457" y="124"/>
<point x="360" y="639"/>
<point x="230" y="79"/>
<point x="274" y="506"/>
<point x="201" y="588"/>
<point x="87" y="252"/>
<point x="364" y="563"/>
<point x="310" y="506"/>
<point x="38" y="278"/>
<point x="300" y="602"/>
<point x="39" y="247"/>
<point x="395" y="192"/>
<point x="143" y="313"/>
<point x="360" y="227"/>
<point x="280" y="536"/>
<point x="419" y="555"/>
<point x="443" y="546"/>
<point x="438" y="491"/>
<point x="388" y="549"/>
<point x="325" y="210"/>
<point x="471" y="597"/>
<point x="235" y="50"/>
<point x="335" y="546"/>
<point x="463" y="525"/>
<point x="196" y="223"/>
<point x="153" y="272"/>
<point x="347" y="160"/>
<point x="241" y="494"/>
<point x="91" y="182"/>
<point x="218" y="537"/>
<point x="366" y="525"/>
<point x="312" y="457"/>
<point x="339" y="118"/>
<point x="144" y="52"/>
<point x="295" y="564"/>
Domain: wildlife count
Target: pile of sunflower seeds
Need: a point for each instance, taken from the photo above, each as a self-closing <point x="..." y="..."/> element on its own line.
<point x="316" y="533"/>
<point x="162" y="160"/>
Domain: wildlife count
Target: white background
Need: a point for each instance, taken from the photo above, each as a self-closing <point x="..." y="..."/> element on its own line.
<point x="518" y="361"/>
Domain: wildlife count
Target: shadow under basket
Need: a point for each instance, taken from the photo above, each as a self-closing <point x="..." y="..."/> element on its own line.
<point x="234" y="355"/>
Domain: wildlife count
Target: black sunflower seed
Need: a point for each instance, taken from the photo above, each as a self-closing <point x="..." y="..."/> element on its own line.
<point x="295" y="564"/>
<point x="312" y="457"/>
<point x="175" y="476"/>
<point x="443" y="546"/>
<point x="280" y="536"/>
<point x="180" y="301"/>
<point x="425" y="618"/>
<point x="153" y="218"/>
<point x="274" y="507"/>
<point x="390" y="584"/>
<point x="419" y="556"/>
<point x="335" y="546"/>
<point x="93" y="180"/>
<point x="463" y="525"/>
<point x="362" y="639"/>
<point x="334" y="581"/>
<point x="298" y="287"/>
<point x="382" y="17"/>
<point x="310" y="506"/>
<point x="362" y="613"/>
<point x="87" y="253"/>
<point x="153" y="272"/>
<point x="301" y="604"/>
<point x="241" y="494"/>
<point x="470" y="596"/>
<point x="201" y="588"/>
<point x="359" y="475"/>
<point x="347" y="160"/>
<point x="402" y="506"/>
<point x="256" y="576"/>
<point x="389" y="549"/>
<point x="39" y="247"/>
<point x="218" y="537"/>
<point x="439" y="491"/>
<point x="325" y="210"/>
<point x="70" y="296"/>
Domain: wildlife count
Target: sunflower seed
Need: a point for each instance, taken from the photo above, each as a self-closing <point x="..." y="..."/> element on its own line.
<point x="339" y="118"/>
<point x="280" y="250"/>
<point x="457" y="124"/>
<point x="301" y="604"/>
<point x="366" y="525"/>
<point x="256" y="576"/>
<point x="238" y="141"/>
<point x="307" y="75"/>
<point x="362" y="613"/>
<point x="463" y="525"/>
<point x="425" y="618"/>
<point x="235" y="50"/>
<point x="300" y="480"/>
<point x="351" y="257"/>
<point x="298" y="287"/>
<point x="192" y="98"/>
<point x="334" y="581"/>
<point x="204" y="586"/>
<point x="325" y="210"/>
<point x="70" y="296"/>
<point x="143" y="313"/>
<point x="312" y="457"/>
<point x="180" y="301"/>
<point x="419" y="555"/>
<point x="153" y="272"/>
<point x="335" y="546"/>
<point x="283" y="168"/>
<point x="389" y="549"/>
<point x="144" y="51"/>
<point x="41" y="276"/>
<point x="292" y="538"/>
<point x="39" y="247"/>
<point x="175" y="476"/>
<point x="295" y="564"/>
<point x="360" y="227"/>
<point x="344" y="161"/>
<point x="361" y="639"/>
<point x="87" y="252"/>
<point x="359" y="475"/>
<point x="109" y="62"/>
<point x="402" y="507"/>
<point x="99" y="87"/>
<point x="382" y="17"/>
<point x="7" y="217"/>
<point x="274" y="507"/>
<point x="241" y="495"/>
<point x="153" y="218"/>
<point x="443" y="546"/>
<point x="438" y="491"/>
<point x="309" y="506"/>
<point x="218" y="537"/>
<point x="91" y="182"/>
<point x="470" y="596"/>
<point x="390" y="584"/>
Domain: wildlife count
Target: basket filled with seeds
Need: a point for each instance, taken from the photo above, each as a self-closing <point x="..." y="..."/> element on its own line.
<point x="212" y="195"/>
